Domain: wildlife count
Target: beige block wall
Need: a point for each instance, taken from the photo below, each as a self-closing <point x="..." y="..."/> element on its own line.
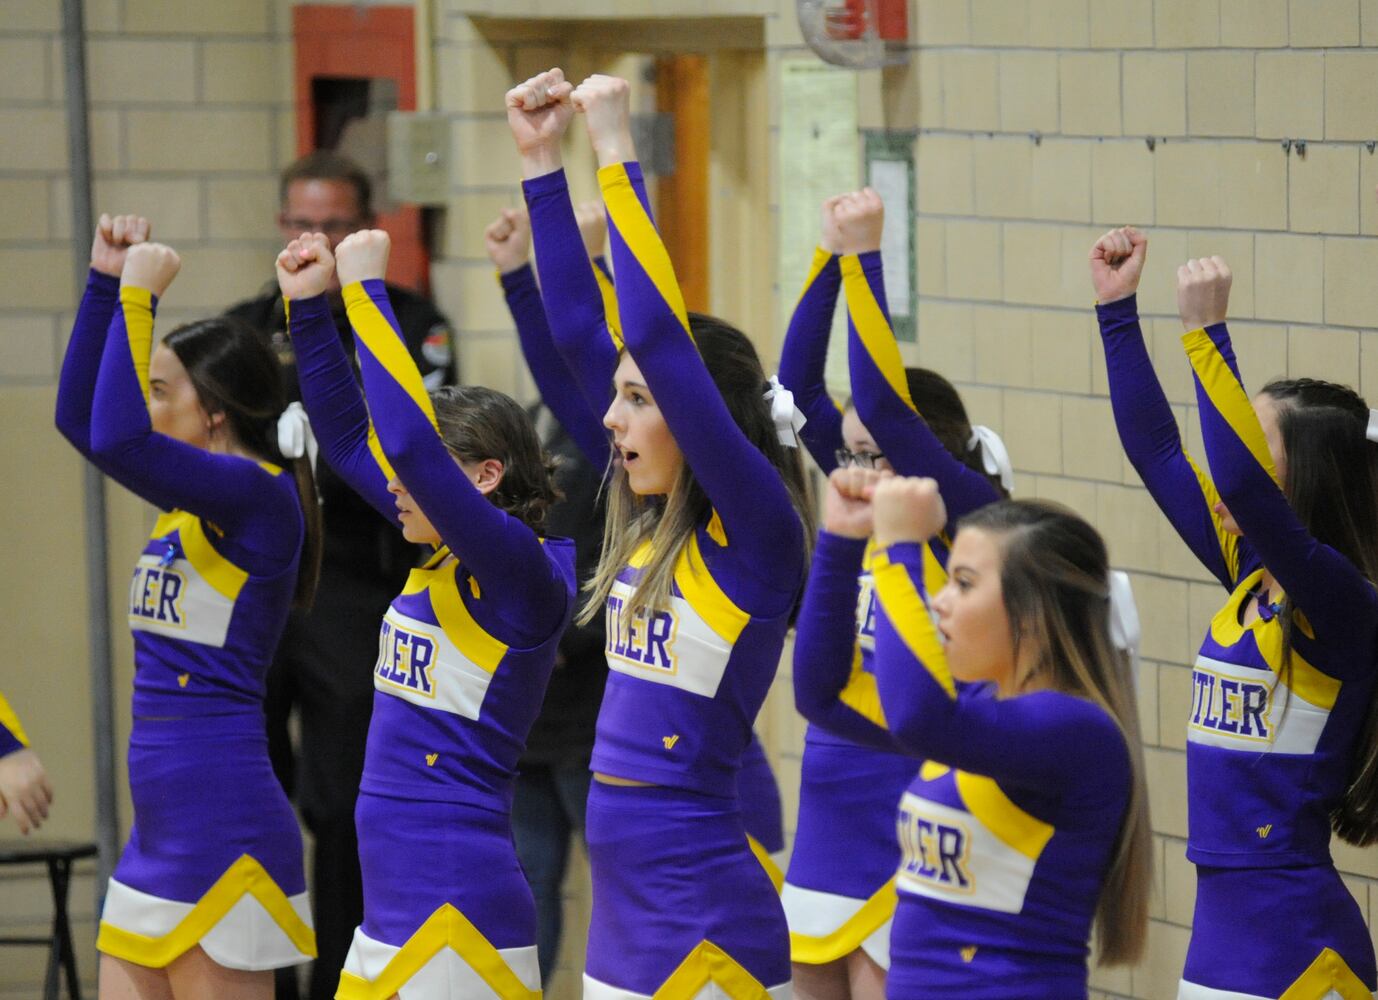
<point x="1003" y="226"/>
<point x="191" y="115"/>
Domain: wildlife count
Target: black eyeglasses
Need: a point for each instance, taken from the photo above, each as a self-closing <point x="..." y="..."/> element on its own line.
<point x="334" y="228"/>
<point x="861" y="459"/>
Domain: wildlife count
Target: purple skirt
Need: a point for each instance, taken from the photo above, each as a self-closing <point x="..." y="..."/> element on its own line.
<point x="671" y="869"/>
<point x="416" y="856"/>
<point x="204" y="794"/>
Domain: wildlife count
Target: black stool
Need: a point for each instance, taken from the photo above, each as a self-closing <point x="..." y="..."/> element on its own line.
<point x="58" y="855"/>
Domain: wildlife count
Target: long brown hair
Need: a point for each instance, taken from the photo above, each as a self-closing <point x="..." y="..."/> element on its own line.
<point x="1055" y="581"/>
<point x="235" y="373"/>
<point x="1332" y="476"/>
<point x="669" y="521"/>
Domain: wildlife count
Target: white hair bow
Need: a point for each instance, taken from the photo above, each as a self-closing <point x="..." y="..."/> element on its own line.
<point x="295" y="437"/>
<point x="994" y="458"/>
<point x="1124" y="619"/>
<point x="785" y="415"/>
<point x="1372" y="432"/>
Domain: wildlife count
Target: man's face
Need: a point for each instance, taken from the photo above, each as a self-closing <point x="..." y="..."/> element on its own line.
<point x="321" y="206"/>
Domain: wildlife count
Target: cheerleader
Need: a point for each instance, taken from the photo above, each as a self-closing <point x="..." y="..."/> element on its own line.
<point x="508" y="240"/>
<point x="699" y="578"/>
<point x="209" y="893"/>
<point x="1027" y="822"/>
<point x="1280" y="744"/>
<point x="839" y="892"/>
<point x="465" y="650"/>
<point x="24" y="787"/>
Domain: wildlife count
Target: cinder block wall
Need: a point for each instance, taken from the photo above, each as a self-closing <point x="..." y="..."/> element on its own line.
<point x="1032" y="117"/>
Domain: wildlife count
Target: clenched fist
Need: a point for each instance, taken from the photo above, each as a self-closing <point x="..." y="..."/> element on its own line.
<point x="606" y="104"/>
<point x="907" y="509"/>
<point x="114" y="236"/>
<point x="1203" y="292"/>
<point x="151" y="266"/>
<point x="538" y="113"/>
<point x="508" y="240"/>
<point x="853" y="222"/>
<point x="305" y="266"/>
<point x="847" y="504"/>
<point x="1117" y="263"/>
<point x="363" y="255"/>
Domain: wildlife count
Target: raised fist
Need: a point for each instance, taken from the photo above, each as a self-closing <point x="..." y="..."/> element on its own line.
<point x="305" y="266"/>
<point x="508" y="240"/>
<point x="24" y="789"/>
<point x="606" y="104"/>
<point x="847" y="503"/>
<point x="1117" y="262"/>
<point x="1203" y="292"/>
<point x="907" y="509"/>
<point x="538" y="113"/>
<point x="362" y="255"/>
<point x="114" y="236"/>
<point x="593" y="226"/>
<point x="151" y="266"/>
<point x="853" y="222"/>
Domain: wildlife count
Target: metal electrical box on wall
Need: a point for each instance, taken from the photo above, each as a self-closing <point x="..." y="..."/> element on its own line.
<point x="418" y="164"/>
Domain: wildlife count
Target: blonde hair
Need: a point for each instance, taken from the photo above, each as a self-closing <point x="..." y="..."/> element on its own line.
<point x="1055" y="582"/>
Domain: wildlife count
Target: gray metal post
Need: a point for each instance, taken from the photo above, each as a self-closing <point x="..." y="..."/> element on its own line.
<point x="97" y="561"/>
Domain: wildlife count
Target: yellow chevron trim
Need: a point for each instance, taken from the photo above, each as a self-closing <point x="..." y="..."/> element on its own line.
<point x="445" y="928"/>
<point x="708" y="963"/>
<point x="848" y="938"/>
<point x="245" y="877"/>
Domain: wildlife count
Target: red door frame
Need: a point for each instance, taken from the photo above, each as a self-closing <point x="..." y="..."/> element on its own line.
<point x="372" y="43"/>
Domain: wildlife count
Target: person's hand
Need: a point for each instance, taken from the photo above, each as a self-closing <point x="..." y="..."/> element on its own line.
<point x="151" y="266"/>
<point x="305" y="266"/>
<point x="24" y="789"/>
<point x="907" y="509"/>
<point x="853" y="222"/>
<point x="508" y="240"/>
<point x="538" y="113"/>
<point x="847" y="503"/>
<point x="114" y="236"/>
<point x="363" y="255"/>
<point x="593" y="226"/>
<point x="1203" y="292"/>
<point x="1117" y="263"/>
<point x="606" y="104"/>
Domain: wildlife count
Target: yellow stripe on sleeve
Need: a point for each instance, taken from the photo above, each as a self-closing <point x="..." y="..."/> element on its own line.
<point x="10" y="721"/>
<point x="632" y="222"/>
<point x="873" y="328"/>
<point x="820" y="261"/>
<point x="1228" y="396"/>
<point x="909" y="616"/>
<point x="860" y="693"/>
<point x="137" y="306"/>
<point x="382" y="342"/>
<point x="610" y="313"/>
<point x="1229" y="544"/>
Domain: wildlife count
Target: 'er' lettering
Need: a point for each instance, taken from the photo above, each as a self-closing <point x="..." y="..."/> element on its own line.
<point x="155" y="595"/>
<point x="405" y="659"/>
<point x="934" y="851"/>
<point x="640" y="638"/>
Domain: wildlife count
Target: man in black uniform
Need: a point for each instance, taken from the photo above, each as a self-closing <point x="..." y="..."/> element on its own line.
<point x="324" y="664"/>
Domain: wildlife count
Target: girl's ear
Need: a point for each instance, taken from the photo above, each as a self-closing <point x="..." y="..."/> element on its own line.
<point x="490" y="473"/>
